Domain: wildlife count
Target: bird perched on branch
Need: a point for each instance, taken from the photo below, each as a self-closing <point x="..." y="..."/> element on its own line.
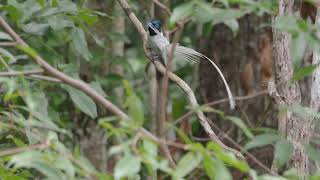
<point x="162" y="46"/>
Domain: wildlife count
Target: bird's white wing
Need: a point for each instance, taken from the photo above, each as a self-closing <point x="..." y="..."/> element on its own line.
<point x="195" y="57"/>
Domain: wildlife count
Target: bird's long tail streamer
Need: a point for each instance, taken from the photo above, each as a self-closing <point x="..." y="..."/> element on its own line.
<point x="194" y="56"/>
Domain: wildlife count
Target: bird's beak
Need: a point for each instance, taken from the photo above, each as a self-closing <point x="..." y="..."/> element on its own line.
<point x="151" y="26"/>
<point x="154" y="29"/>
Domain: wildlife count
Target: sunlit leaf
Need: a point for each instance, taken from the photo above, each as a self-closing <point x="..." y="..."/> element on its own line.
<point x="228" y="157"/>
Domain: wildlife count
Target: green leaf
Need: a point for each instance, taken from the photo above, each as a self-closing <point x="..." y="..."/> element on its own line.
<point x="150" y="148"/>
<point x="6" y="54"/>
<point x="181" y="11"/>
<point x="187" y="164"/>
<point x="66" y="165"/>
<point x="262" y="140"/>
<point x="35" y="28"/>
<point x="203" y="12"/>
<point x="270" y="177"/>
<point x="313" y="153"/>
<point x="208" y="165"/>
<point x="238" y="122"/>
<point x="228" y="157"/>
<point x="304" y="112"/>
<point x="297" y="49"/>
<point x="292" y="174"/>
<point x="220" y="170"/>
<point x="233" y="25"/>
<point x="223" y="15"/>
<point x="82" y="101"/>
<point x="79" y="42"/>
<point x="59" y="22"/>
<point x="18" y="142"/>
<point x="303" y="72"/>
<point x="283" y="152"/>
<point x="127" y="166"/>
<point x="287" y="23"/>
<point x="96" y="86"/>
<point x="88" y="16"/>
<point x="5" y="36"/>
<point x="28" y="50"/>
<point x="214" y="166"/>
<point x="68" y="6"/>
<point x="36" y="160"/>
<point x="134" y="104"/>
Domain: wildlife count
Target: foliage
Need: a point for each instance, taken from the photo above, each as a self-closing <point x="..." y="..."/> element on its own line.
<point x="40" y="120"/>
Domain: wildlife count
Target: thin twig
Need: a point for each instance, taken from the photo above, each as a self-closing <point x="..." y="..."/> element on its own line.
<point x="224" y="100"/>
<point x="18" y="73"/>
<point x="5" y="64"/>
<point x="22" y="149"/>
<point x="161" y="141"/>
<point x="6" y="44"/>
<point x="163" y="7"/>
<point x="45" y="78"/>
<point x="61" y="76"/>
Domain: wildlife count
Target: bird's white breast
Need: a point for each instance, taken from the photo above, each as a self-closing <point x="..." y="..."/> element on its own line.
<point x="159" y="43"/>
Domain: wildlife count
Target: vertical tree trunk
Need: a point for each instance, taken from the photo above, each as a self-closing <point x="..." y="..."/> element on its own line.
<point x="315" y="86"/>
<point x="296" y="129"/>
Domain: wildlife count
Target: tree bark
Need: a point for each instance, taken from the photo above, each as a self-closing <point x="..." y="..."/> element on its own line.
<point x="296" y="130"/>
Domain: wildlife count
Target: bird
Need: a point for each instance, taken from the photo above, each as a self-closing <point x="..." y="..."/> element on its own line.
<point x="161" y="46"/>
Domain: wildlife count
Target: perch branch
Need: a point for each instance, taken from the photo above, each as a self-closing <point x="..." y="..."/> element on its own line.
<point x="163" y="7"/>
<point x="183" y="85"/>
<point x="78" y="84"/>
<point x="18" y="73"/>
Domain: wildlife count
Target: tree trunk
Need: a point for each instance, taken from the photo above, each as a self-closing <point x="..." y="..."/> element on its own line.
<point x="296" y="129"/>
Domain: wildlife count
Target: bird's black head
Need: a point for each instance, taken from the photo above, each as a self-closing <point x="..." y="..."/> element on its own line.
<point x="154" y="27"/>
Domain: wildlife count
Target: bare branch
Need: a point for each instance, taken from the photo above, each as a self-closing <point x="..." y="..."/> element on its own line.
<point x="45" y="78"/>
<point x="18" y="73"/>
<point x="224" y="100"/>
<point x="22" y="149"/>
<point x="5" y="44"/>
<point x="63" y="77"/>
<point x="163" y="7"/>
